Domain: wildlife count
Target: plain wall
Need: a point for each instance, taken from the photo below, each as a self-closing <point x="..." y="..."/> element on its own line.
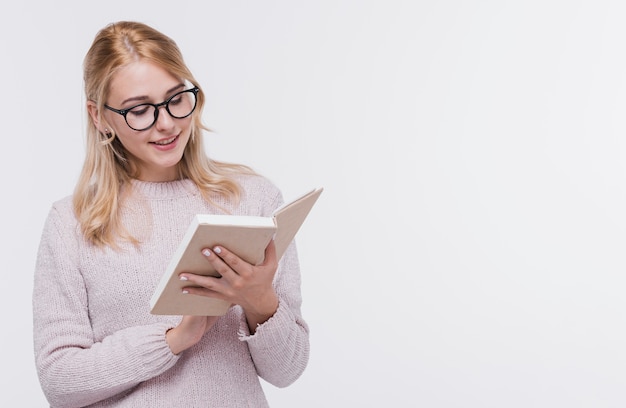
<point x="468" y="250"/>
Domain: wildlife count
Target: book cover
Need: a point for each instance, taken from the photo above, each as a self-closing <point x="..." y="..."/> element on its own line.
<point x="246" y="236"/>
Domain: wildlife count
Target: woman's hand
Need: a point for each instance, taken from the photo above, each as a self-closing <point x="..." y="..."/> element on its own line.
<point x="188" y="332"/>
<point x="241" y="283"/>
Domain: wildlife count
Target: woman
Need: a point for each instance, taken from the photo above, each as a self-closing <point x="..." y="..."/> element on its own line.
<point x="104" y="249"/>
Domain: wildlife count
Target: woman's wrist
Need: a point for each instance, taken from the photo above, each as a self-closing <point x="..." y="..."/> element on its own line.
<point x="262" y="312"/>
<point x="188" y="332"/>
<point x="173" y="341"/>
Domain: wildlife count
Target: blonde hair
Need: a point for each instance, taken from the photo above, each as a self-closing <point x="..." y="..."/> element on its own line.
<point x="98" y="193"/>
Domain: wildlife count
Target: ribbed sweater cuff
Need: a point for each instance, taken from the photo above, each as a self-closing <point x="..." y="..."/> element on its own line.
<point x="269" y="333"/>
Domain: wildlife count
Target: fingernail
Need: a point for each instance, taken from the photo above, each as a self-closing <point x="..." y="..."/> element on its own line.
<point x="183" y="278"/>
<point x="185" y="292"/>
<point x="217" y="250"/>
<point x="206" y="252"/>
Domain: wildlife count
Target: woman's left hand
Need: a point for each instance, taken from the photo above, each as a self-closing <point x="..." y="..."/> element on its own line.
<point x="241" y="283"/>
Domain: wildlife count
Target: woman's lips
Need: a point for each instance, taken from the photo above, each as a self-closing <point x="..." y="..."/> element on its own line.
<point x="166" y="144"/>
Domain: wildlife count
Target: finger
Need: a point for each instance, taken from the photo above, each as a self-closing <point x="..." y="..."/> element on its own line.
<point x="270" y="254"/>
<point x="231" y="261"/>
<point x="202" y="285"/>
<point x="200" y="291"/>
<point x="219" y="264"/>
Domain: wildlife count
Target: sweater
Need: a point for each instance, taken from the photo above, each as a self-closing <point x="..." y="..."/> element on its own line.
<point x="96" y="343"/>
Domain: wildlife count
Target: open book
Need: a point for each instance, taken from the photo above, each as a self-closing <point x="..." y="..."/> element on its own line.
<point x="247" y="236"/>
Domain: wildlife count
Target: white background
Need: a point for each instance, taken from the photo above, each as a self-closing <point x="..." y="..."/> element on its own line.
<point x="468" y="250"/>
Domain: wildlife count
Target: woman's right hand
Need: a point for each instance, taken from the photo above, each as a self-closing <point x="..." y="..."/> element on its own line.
<point x="188" y="332"/>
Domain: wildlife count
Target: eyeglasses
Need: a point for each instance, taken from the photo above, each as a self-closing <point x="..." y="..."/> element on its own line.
<point x="144" y="116"/>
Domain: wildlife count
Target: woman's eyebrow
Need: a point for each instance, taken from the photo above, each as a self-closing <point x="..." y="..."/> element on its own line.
<point x="144" y="97"/>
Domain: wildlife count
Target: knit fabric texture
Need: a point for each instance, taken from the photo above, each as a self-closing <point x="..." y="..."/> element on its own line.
<point x="96" y="343"/>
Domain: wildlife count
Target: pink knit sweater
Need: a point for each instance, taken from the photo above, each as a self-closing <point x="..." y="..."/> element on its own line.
<point x="96" y="343"/>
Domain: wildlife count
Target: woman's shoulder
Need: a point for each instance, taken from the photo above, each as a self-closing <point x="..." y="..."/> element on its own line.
<point x="62" y="212"/>
<point x="61" y="216"/>
<point x="259" y="194"/>
<point x="64" y="207"/>
<point x="257" y="183"/>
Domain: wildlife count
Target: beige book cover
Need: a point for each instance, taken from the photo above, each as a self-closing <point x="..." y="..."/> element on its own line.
<point x="247" y="236"/>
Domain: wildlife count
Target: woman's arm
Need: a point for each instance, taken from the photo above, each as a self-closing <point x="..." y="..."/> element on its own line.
<point x="277" y="336"/>
<point x="74" y="368"/>
<point x="280" y="346"/>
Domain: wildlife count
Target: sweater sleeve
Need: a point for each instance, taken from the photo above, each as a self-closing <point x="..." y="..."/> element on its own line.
<point x="280" y="346"/>
<point x="74" y="369"/>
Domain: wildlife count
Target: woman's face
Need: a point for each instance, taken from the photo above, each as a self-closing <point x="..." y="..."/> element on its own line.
<point x="157" y="150"/>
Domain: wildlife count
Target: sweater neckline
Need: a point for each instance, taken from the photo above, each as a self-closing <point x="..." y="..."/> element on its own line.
<point x="164" y="189"/>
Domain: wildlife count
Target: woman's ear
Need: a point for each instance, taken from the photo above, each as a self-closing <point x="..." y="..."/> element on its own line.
<point x="92" y="109"/>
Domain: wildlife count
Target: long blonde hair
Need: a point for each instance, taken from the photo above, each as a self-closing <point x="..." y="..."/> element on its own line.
<point x="98" y="193"/>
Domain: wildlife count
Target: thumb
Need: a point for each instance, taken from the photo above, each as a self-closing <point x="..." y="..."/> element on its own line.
<point x="270" y="254"/>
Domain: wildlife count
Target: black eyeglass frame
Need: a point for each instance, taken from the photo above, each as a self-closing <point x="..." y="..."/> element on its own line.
<point x="157" y="107"/>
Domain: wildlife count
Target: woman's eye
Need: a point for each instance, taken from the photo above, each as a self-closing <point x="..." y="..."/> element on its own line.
<point x="176" y="99"/>
<point x="140" y="110"/>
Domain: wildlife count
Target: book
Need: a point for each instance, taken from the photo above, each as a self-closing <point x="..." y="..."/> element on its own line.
<point x="245" y="235"/>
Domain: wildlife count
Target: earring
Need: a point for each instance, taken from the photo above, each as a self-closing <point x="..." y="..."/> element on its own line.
<point x="106" y="132"/>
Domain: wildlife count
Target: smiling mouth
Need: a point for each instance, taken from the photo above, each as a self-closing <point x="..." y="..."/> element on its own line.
<point x="165" y="142"/>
